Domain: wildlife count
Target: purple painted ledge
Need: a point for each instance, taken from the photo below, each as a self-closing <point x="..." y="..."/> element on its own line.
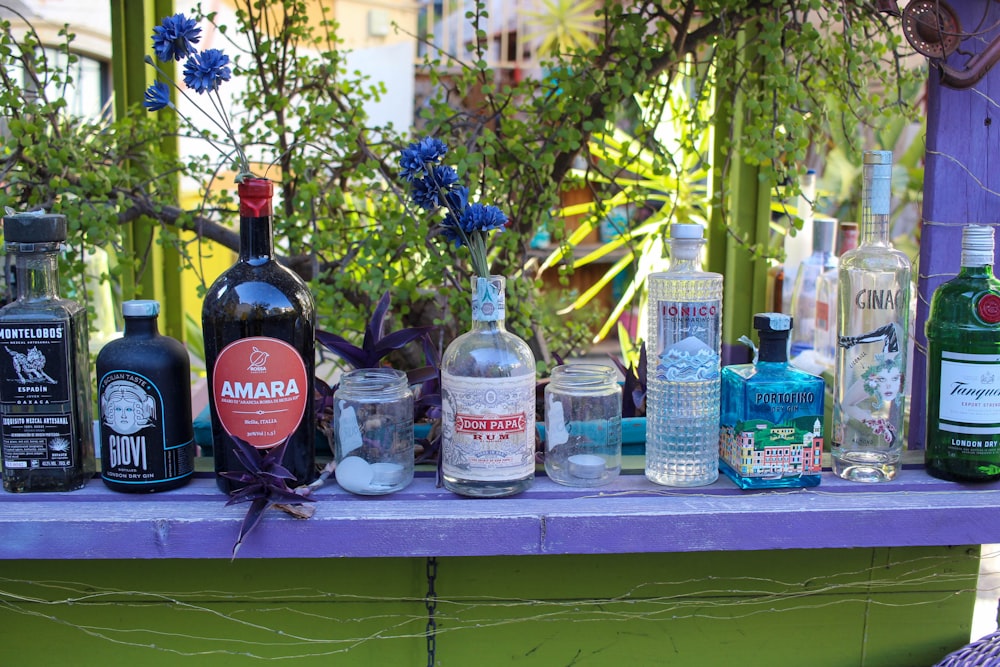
<point x="630" y="516"/>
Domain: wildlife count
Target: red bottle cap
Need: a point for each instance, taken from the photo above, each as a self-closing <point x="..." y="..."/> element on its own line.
<point x="255" y="197"/>
<point x="989" y="308"/>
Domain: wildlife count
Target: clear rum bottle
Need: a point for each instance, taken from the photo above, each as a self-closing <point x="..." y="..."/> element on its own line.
<point x="47" y="433"/>
<point x="872" y="335"/>
<point x="963" y="368"/>
<point x="684" y="338"/>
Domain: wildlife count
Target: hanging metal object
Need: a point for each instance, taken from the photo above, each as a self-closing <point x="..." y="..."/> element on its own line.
<point x="932" y="28"/>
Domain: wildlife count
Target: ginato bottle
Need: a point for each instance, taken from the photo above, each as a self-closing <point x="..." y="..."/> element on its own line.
<point x="963" y="367"/>
<point x="144" y="400"/>
<point x="259" y="324"/>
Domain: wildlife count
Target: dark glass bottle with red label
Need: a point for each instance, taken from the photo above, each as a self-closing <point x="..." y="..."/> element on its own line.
<point x="963" y="367"/>
<point x="47" y="438"/>
<point x="144" y="400"/>
<point x="259" y="324"/>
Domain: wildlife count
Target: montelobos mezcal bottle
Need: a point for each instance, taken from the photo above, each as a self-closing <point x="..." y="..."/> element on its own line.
<point x="259" y="324"/>
<point x="47" y="433"/>
<point x="963" y="367"/>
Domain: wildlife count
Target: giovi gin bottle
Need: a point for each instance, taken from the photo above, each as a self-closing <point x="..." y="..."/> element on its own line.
<point x="963" y="367"/>
<point x="488" y="402"/>
<point x="47" y="433"/>
<point x="259" y="324"/>
<point x="684" y="338"/>
<point x="872" y="335"/>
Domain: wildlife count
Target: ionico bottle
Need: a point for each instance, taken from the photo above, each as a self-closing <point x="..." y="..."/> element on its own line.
<point x="144" y="398"/>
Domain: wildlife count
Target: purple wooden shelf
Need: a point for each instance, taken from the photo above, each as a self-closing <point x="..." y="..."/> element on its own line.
<point x="630" y="516"/>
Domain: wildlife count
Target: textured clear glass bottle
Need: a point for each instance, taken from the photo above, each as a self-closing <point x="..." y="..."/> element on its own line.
<point x="47" y="437"/>
<point x="872" y="334"/>
<point x="373" y="429"/>
<point x="772" y="415"/>
<point x="825" y="332"/>
<point x="684" y="343"/>
<point x="819" y="261"/>
<point x="488" y="402"/>
<point x="144" y="399"/>
<point x="583" y="432"/>
<point x="259" y="322"/>
<point x="963" y="368"/>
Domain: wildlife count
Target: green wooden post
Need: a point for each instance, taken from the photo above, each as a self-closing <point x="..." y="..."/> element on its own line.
<point x="151" y="270"/>
<point x="741" y="214"/>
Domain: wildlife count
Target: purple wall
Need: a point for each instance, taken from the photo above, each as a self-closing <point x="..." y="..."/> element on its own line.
<point x="961" y="179"/>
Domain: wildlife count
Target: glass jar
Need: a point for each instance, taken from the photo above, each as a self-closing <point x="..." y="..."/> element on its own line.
<point x="583" y="433"/>
<point x="373" y="431"/>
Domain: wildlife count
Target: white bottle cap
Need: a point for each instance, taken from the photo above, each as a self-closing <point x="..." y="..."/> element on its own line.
<point x="141" y="308"/>
<point x="686" y="230"/>
<point x="977" y="245"/>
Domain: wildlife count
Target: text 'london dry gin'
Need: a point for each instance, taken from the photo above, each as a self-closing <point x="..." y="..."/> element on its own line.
<point x="872" y="335"/>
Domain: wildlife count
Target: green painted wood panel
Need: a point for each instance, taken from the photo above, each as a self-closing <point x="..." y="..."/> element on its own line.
<point x="878" y="607"/>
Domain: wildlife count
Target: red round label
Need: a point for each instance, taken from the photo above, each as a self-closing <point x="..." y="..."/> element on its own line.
<point x="259" y="386"/>
<point x="989" y="308"/>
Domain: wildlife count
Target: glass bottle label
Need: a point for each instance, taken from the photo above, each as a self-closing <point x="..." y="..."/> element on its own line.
<point x="134" y="447"/>
<point x="488" y="427"/>
<point x="969" y="396"/>
<point x="488" y="301"/>
<point x="259" y="385"/>
<point x="687" y="335"/>
<point x="37" y="425"/>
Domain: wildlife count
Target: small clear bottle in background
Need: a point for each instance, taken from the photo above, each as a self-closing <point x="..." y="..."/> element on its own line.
<point x="963" y="367"/>
<point x="772" y="415"/>
<point x="373" y="431"/>
<point x="47" y="437"/>
<point x="583" y="435"/>
<point x="825" y="331"/>
<point x="685" y="352"/>
<point x="144" y="398"/>
<point x="873" y="317"/>
<point x="799" y="246"/>
<point x="821" y="260"/>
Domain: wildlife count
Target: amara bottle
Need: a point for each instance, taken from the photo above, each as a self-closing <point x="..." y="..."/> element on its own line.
<point x="772" y="415"/>
<point x="872" y="324"/>
<point x="259" y="324"/>
<point x="488" y="403"/>
<point x="963" y="367"/>
<point x="682" y="399"/>
<point x="821" y="260"/>
<point x="144" y="396"/>
<point x="47" y="433"/>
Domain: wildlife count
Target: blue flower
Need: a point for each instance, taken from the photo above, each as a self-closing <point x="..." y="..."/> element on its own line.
<point x="203" y="72"/>
<point x="414" y="159"/>
<point x="157" y="96"/>
<point x="427" y="191"/>
<point x="482" y="218"/>
<point x="173" y="39"/>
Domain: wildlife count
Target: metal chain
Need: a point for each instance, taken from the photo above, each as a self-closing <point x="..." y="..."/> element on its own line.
<point x="430" y="602"/>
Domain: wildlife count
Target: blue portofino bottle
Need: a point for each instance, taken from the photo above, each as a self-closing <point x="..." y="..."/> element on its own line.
<point x="771" y="433"/>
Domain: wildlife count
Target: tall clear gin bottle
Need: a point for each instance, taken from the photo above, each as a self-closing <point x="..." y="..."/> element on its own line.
<point x="488" y="402"/>
<point x="682" y="399"/>
<point x="963" y="368"/>
<point x="47" y="434"/>
<point x="873" y="315"/>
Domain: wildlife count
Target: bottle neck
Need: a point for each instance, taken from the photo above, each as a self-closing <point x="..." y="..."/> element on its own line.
<point x="256" y="241"/>
<point x="141" y="327"/>
<point x="37" y="271"/>
<point x="489" y="308"/>
<point x="773" y="349"/>
<point x="876" y="204"/>
<point x="685" y="255"/>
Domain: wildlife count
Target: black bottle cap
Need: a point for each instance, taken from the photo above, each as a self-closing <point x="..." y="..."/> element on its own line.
<point x="772" y="322"/>
<point x="34" y="228"/>
<point x="773" y="330"/>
